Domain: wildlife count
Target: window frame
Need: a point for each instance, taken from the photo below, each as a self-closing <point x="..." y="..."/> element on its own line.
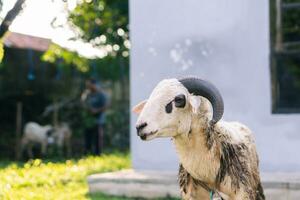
<point x="278" y="48"/>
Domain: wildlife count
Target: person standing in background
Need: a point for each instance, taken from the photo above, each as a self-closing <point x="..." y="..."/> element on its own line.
<point x="95" y="103"/>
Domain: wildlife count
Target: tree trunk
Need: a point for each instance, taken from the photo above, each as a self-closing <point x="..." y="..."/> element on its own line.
<point x="10" y="16"/>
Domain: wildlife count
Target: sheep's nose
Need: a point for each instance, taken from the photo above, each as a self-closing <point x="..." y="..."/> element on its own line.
<point x="140" y="127"/>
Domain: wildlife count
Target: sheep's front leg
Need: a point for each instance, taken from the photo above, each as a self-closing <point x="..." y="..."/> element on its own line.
<point x="189" y="189"/>
<point x="200" y="194"/>
<point x="44" y="147"/>
<point x="195" y="193"/>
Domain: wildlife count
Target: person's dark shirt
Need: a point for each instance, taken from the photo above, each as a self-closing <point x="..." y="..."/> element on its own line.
<point x="97" y="100"/>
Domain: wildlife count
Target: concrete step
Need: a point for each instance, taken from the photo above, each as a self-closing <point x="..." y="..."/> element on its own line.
<point x="155" y="184"/>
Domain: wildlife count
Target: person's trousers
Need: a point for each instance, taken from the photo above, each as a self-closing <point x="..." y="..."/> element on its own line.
<point x="94" y="140"/>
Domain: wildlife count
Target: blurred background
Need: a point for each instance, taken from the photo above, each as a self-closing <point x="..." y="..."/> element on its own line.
<point x="63" y="64"/>
<point x="50" y="48"/>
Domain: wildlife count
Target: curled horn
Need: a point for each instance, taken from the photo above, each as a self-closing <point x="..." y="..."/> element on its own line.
<point x="203" y="88"/>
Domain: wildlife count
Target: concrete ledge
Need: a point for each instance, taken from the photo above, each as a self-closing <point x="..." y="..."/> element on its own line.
<point x="129" y="176"/>
<point x="289" y="181"/>
<point x="154" y="184"/>
<point x="129" y="183"/>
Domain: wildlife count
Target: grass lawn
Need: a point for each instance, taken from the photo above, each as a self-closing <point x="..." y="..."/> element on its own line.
<point x="54" y="180"/>
<point x="39" y="179"/>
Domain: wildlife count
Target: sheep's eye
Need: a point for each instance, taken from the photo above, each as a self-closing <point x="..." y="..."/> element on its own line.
<point x="169" y="107"/>
<point x="180" y="101"/>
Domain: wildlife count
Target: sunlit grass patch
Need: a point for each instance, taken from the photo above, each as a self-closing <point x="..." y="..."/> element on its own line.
<point x="37" y="179"/>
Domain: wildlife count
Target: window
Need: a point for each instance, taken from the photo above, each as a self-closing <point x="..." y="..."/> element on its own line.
<point x="285" y="55"/>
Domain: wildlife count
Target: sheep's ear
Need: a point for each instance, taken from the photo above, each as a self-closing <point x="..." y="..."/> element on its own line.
<point x="195" y="102"/>
<point x="139" y="107"/>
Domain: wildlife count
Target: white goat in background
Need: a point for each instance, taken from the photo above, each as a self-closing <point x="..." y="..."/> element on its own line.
<point x="35" y="133"/>
<point x="45" y="135"/>
<point x="214" y="155"/>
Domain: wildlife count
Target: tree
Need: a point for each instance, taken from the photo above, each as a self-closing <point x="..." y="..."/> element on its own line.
<point x="104" y="24"/>
<point x="7" y="21"/>
<point x="10" y="16"/>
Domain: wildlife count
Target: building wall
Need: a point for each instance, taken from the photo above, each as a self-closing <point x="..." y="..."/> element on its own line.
<point x="226" y="42"/>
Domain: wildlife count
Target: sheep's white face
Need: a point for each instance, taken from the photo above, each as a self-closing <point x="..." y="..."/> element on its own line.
<point x="167" y="112"/>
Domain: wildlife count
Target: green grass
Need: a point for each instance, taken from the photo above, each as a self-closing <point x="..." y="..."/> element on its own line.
<point x="65" y="180"/>
<point x="58" y="180"/>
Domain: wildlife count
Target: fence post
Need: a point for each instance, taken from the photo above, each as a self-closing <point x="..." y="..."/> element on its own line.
<point x="18" y="129"/>
<point x="55" y="113"/>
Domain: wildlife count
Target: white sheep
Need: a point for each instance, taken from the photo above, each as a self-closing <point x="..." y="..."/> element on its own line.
<point x="214" y="155"/>
<point x="59" y="135"/>
<point x="62" y="137"/>
<point x="35" y="133"/>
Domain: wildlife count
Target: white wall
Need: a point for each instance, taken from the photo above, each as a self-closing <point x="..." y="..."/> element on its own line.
<point x="226" y="42"/>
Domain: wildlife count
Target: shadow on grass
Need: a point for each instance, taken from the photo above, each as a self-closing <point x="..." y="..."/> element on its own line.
<point x="99" y="196"/>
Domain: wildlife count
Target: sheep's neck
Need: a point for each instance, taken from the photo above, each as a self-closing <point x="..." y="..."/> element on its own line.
<point x="194" y="154"/>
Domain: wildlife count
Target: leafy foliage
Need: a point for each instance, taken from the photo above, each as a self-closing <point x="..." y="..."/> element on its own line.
<point x="56" y="54"/>
<point x="102" y="23"/>
<point x="104" y="16"/>
<point x="1" y="51"/>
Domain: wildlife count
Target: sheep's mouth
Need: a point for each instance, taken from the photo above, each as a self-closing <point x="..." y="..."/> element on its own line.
<point x="147" y="136"/>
